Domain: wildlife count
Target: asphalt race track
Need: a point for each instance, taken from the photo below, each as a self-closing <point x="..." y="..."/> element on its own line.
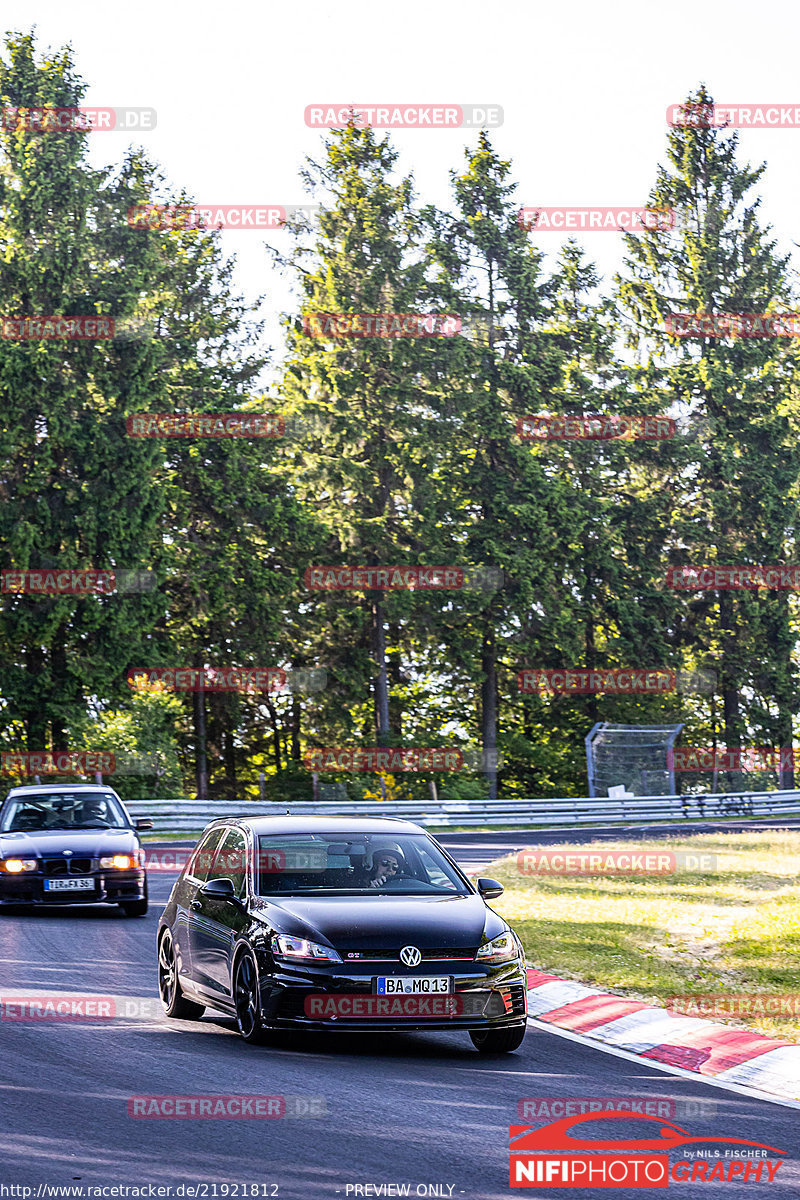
<point x="418" y="1110"/>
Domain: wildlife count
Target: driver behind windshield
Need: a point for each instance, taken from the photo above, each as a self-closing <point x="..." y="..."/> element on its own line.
<point x="387" y="863"/>
<point x="93" y="811"/>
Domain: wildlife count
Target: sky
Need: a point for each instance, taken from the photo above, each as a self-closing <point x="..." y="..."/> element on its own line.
<point x="584" y="88"/>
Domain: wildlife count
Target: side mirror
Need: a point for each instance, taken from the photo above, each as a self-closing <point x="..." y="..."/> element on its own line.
<point x="220" y="889"/>
<point x="143" y="823"/>
<point x="490" y="889"/>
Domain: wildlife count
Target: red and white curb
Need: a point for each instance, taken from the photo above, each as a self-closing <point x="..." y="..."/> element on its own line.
<point x="719" y="1053"/>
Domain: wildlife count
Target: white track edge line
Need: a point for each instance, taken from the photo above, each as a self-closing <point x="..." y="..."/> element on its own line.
<point x="667" y="1068"/>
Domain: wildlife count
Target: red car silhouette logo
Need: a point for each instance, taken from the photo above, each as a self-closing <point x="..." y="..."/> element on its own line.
<point x="555" y="1137"/>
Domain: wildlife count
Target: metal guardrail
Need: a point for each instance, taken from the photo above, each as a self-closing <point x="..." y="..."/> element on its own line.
<point x="190" y="816"/>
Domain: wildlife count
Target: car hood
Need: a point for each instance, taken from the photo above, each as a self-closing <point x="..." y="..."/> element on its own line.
<point x="384" y="922"/>
<point x="91" y="843"/>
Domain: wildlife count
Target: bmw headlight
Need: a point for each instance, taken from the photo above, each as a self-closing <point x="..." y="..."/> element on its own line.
<point x="15" y="866"/>
<point x="119" y="862"/>
<point x="499" y="949"/>
<point x="284" y="946"/>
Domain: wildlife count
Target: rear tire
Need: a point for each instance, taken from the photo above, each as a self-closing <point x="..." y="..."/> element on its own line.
<point x="246" y="1000"/>
<point x="498" y="1041"/>
<point x="174" y="1003"/>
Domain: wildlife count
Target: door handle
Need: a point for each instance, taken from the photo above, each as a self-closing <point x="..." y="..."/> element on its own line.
<point x="195" y="906"/>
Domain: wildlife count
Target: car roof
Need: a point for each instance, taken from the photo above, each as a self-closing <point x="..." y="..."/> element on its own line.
<point x="319" y="824"/>
<point x="60" y="787"/>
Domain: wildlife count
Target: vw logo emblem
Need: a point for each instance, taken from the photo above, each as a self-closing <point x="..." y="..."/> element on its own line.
<point x="410" y="956"/>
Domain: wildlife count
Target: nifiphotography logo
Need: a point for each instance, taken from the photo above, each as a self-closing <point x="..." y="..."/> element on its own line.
<point x="551" y="1157"/>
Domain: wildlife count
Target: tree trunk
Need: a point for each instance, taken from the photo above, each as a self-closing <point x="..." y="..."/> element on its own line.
<point x="276" y="732"/>
<point x="295" y="729"/>
<point x="35" y="721"/>
<point x="201" y="759"/>
<point x="729" y="682"/>
<point x="395" y="674"/>
<point x="230" y="762"/>
<point x="489" y="707"/>
<point x="381" y="678"/>
<point x="779" y="636"/>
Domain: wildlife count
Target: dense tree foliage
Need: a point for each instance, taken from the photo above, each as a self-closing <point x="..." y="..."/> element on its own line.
<point x="397" y="451"/>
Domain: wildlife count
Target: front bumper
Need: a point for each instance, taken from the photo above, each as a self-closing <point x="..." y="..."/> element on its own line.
<point x="109" y="887"/>
<point x="484" y="997"/>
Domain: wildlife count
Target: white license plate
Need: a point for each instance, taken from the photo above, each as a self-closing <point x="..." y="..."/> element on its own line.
<point x="415" y="985"/>
<point x="69" y="885"/>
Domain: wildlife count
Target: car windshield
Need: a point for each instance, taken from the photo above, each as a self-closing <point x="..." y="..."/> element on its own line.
<point x="62" y="810"/>
<point x="370" y="863"/>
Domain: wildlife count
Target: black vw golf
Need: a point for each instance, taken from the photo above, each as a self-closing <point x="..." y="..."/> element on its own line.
<point x="338" y="923"/>
<point x="71" y="844"/>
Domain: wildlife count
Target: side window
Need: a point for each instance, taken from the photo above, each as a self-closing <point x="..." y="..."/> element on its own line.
<point x="230" y="861"/>
<point x="203" y="856"/>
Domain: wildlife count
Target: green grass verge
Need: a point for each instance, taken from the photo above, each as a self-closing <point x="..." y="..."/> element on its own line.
<point x="733" y="929"/>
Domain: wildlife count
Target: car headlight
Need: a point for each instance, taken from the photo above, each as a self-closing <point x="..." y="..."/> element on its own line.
<point x="121" y="862"/>
<point x="500" y="949"/>
<point x="15" y="865"/>
<point x="295" y="947"/>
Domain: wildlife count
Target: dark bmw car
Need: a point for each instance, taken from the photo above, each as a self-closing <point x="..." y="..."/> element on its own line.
<point x="73" y="844"/>
<point x="332" y="923"/>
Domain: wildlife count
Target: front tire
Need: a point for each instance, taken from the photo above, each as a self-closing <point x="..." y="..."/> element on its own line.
<point x="497" y="1041"/>
<point x="246" y="999"/>
<point x="172" y="998"/>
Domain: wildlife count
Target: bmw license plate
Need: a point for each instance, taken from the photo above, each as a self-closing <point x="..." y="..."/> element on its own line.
<point x="69" y="885"/>
<point x="414" y="985"/>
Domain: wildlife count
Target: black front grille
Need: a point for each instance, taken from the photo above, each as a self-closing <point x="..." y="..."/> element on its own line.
<point x="291" y="1003"/>
<point x="66" y="866"/>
